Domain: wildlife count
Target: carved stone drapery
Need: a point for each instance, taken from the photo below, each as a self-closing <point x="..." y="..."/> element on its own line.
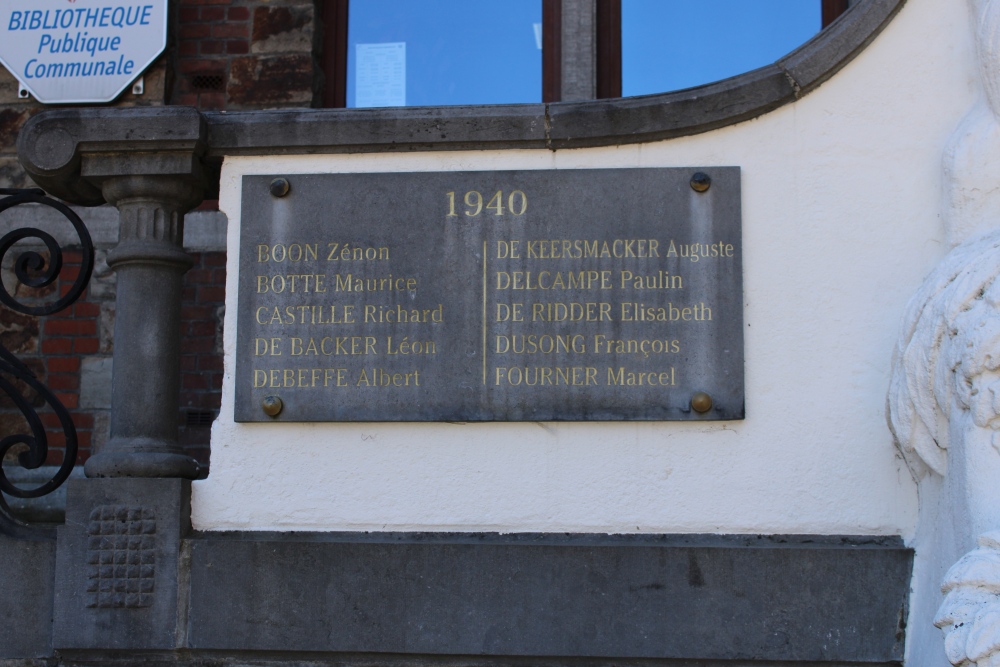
<point x="944" y="410"/>
<point x="944" y="360"/>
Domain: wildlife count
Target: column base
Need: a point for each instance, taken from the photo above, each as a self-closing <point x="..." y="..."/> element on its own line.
<point x="118" y="578"/>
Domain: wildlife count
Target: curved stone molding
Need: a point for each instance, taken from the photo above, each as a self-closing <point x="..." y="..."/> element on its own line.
<point x="67" y="151"/>
<point x="560" y="125"/>
<point x="945" y="359"/>
<point x="970" y="613"/>
<point x="665" y="116"/>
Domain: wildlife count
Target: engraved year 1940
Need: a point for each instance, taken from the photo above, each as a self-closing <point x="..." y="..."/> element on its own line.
<point x="517" y="203"/>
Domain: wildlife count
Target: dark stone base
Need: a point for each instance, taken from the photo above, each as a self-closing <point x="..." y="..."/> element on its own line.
<point x="556" y="599"/>
<point x="27" y="573"/>
<point x="256" y="659"/>
<point x="119" y="573"/>
<point x="449" y="599"/>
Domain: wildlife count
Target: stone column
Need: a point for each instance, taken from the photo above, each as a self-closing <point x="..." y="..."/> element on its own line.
<point x="150" y="263"/>
<point x="149" y="163"/>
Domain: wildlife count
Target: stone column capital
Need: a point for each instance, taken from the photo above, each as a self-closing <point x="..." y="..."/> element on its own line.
<point x="82" y="155"/>
<point x="151" y="212"/>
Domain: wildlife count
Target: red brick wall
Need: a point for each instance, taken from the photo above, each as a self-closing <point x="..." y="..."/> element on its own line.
<point x="64" y="338"/>
<point x="52" y="347"/>
<point x="232" y="54"/>
<point x="235" y="54"/>
<point x="57" y="346"/>
<point x="202" y="309"/>
<point x="222" y="54"/>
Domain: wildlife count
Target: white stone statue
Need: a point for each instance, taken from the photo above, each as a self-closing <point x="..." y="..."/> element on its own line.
<point x="944" y="410"/>
<point x="971" y="167"/>
<point x="970" y="614"/>
<point x="944" y="398"/>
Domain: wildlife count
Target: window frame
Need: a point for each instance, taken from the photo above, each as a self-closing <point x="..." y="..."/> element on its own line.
<point x="334" y="57"/>
<point x="608" y="32"/>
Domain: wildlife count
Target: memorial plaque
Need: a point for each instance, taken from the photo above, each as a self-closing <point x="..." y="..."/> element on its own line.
<point x="585" y="294"/>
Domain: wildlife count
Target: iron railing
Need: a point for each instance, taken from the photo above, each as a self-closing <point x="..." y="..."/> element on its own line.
<point x="17" y="381"/>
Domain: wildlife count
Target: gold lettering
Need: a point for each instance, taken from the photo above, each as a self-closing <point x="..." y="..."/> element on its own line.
<point x="621" y="377"/>
<point x="554" y="311"/>
<point x="406" y="346"/>
<point x="557" y="249"/>
<point x="379" y="377"/>
<point x="345" y="252"/>
<point x="350" y="283"/>
<point x="541" y="344"/>
<point x="511" y="313"/>
<point x="304" y="378"/>
<point x="632" y="311"/>
<point x="699" y="251"/>
<point x="515" y="376"/>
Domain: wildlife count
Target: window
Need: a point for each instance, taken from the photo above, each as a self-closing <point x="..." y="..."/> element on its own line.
<point x="445" y="52"/>
<point x="676" y="45"/>
<point x="434" y="52"/>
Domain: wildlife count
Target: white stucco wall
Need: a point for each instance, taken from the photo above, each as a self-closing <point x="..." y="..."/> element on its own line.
<point x="842" y="193"/>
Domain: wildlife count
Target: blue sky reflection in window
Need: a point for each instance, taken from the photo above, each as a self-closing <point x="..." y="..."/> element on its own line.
<point x="675" y="44"/>
<point x="447" y="52"/>
<point x="441" y="52"/>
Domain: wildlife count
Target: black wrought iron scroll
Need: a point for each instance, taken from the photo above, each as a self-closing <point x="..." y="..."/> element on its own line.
<point x="32" y="270"/>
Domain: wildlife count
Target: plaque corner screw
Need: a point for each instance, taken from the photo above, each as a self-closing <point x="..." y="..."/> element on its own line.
<point x="280" y="187"/>
<point x="701" y="182"/>
<point x="271" y="405"/>
<point x="701" y="402"/>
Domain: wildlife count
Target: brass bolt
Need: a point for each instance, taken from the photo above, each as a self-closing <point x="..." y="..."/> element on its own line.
<point x="271" y="405"/>
<point x="701" y="402"/>
<point x="701" y="182"/>
<point x="280" y="187"/>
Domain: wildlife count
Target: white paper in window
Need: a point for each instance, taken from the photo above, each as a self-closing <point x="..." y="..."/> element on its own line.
<point x="380" y="75"/>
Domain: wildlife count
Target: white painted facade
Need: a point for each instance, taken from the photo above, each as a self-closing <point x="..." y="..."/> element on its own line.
<point x="851" y="197"/>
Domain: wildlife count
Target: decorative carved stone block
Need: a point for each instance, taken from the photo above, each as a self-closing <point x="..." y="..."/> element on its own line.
<point x="117" y="564"/>
<point x="121" y="556"/>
